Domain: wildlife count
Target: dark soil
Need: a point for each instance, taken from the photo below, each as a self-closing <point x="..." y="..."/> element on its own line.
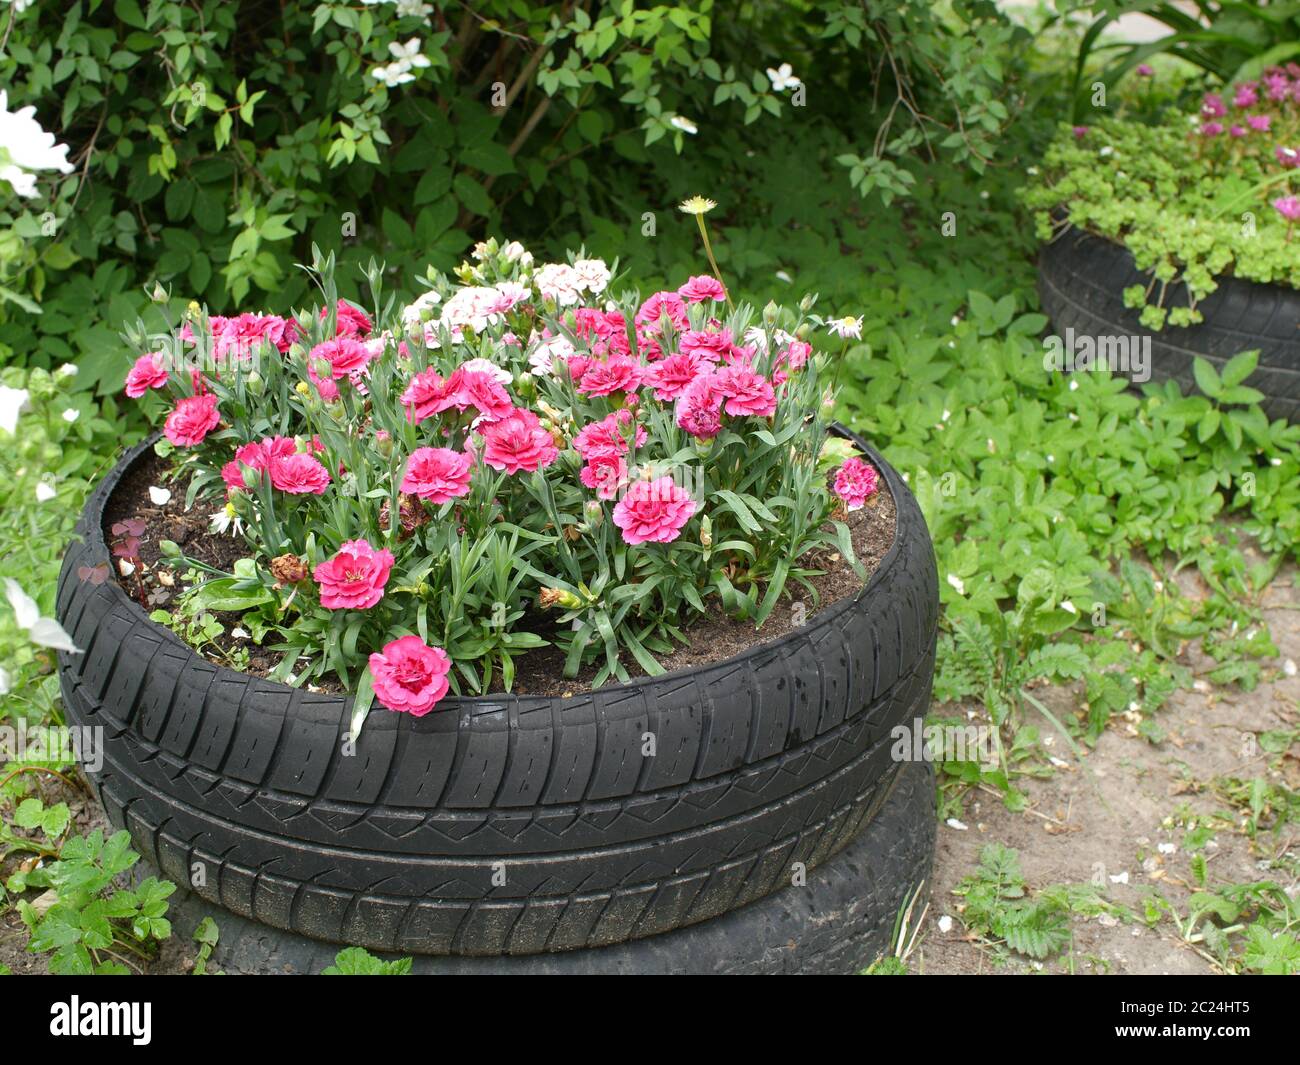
<point x="712" y="638"/>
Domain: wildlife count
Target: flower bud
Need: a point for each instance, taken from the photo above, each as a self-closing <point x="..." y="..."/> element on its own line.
<point x="558" y="597"/>
<point x="706" y="532"/>
<point x="289" y="569"/>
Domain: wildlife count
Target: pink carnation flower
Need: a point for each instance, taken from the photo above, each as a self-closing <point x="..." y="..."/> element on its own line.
<point x="745" y="392"/>
<point x="483" y="391"/>
<point x="855" y="482"/>
<point x="619" y="374"/>
<point x="429" y="394"/>
<point x="349" y="321"/>
<point x="658" y="305"/>
<point x="605" y="474"/>
<point x="607" y="436"/>
<point x="191" y="420"/>
<point x="1288" y="207"/>
<point x="699" y="409"/>
<point x="704" y="287"/>
<point x="437" y="474"/>
<point x="653" y="511"/>
<point x="345" y="357"/>
<point x="353" y="579"/>
<point x="669" y="377"/>
<point x="518" y="442"/>
<point x="712" y="346"/>
<point x="409" y="676"/>
<point x="255" y="456"/>
<point x="298" y="474"/>
<point x="148" y="372"/>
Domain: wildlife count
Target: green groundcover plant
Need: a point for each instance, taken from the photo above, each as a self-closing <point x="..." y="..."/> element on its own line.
<point x="418" y="485"/>
<point x="1194" y="197"/>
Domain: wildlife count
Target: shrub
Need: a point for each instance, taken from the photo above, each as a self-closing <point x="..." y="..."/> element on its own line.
<point x="215" y="142"/>
<point x="1193" y="197"/>
<point x="417" y="486"/>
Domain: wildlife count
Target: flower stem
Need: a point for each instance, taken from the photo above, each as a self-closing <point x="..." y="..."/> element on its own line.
<point x="708" y="250"/>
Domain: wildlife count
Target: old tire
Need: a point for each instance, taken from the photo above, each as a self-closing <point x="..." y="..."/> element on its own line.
<point x="1081" y="282"/>
<point x="837" y="923"/>
<point x="503" y="825"/>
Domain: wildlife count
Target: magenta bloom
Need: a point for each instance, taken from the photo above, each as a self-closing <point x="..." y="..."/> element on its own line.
<point x="1080" y="132"/>
<point x="1245" y="96"/>
<point x="518" y="443"/>
<point x="704" y="287"/>
<point x="1288" y="207"/>
<point x="298" y="474"/>
<point x="653" y="511"/>
<point x="350" y="321"/>
<point x="255" y="456"/>
<point x="484" y="392"/>
<point x="345" y="357"/>
<point x="669" y="377"/>
<point x="429" y="394"/>
<point x="1211" y="129"/>
<point x="712" y="346"/>
<point x="699" y="409"/>
<point x="607" y="436"/>
<point x="619" y="374"/>
<point x="410" y="676"/>
<point x="191" y="420"/>
<point x="855" y="482"/>
<point x="1145" y="70"/>
<point x="658" y="305"/>
<point x="1213" y="106"/>
<point x="353" y="579"/>
<point x="605" y="474"/>
<point x="437" y="474"/>
<point x="1259" y="123"/>
<point x="243" y="333"/>
<point x="745" y="392"/>
<point x="148" y="372"/>
<point x="1289" y="157"/>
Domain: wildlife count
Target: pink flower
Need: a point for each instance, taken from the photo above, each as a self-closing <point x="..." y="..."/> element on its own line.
<point x="658" y="305"/>
<point x="607" y="436"/>
<point x="745" y="392"/>
<point x="1245" y="96"/>
<point x="653" y="511"/>
<point x="619" y="374"/>
<point x="1289" y="157"/>
<point x="437" y="474"/>
<point x="518" y="442"/>
<point x="669" y="377"/>
<point x="484" y="392"/>
<point x="349" y="321"/>
<point x="353" y="579"/>
<point x="712" y="346"/>
<point x="699" y="289"/>
<point x="1145" y="70"/>
<point x="243" y="333"/>
<point x="1259" y="123"/>
<point x="1080" y="132"/>
<point x="699" y="409"/>
<point x="1213" y="106"/>
<point x="1211" y="129"/>
<point x="191" y="420"/>
<point x="148" y="372"/>
<point x="855" y="482"/>
<point x="345" y="356"/>
<point x="410" y="676"/>
<point x="298" y="474"/>
<point x="1288" y="207"/>
<point x="255" y="456"/>
<point x="429" y="394"/>
<point x="605" y="474"/>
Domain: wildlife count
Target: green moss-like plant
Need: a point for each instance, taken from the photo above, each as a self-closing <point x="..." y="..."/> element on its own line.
<point x="1195" y="198"/>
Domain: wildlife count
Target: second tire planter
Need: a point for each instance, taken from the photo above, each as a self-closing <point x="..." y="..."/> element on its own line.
<point x="504" y="824"/>
<point x="1081" y="280"/>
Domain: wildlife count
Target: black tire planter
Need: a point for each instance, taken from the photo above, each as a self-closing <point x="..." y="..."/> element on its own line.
<point x="1081" y="282"/>
<point x="239" y="787"/>
<point x="837" y="925"/>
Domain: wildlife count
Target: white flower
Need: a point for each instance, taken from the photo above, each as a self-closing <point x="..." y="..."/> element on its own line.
<point x="409" y="54"/>
<point x="846" y="327"/>
<point x="43" y="631"/>
<point x="1120" y="878"/>
<point x="757" y="336"/>
<point x="68" y="369"/>
<point x="71" y="415"/>
<point x="26" y="148"/>
<point x="13" y="401"/>
<point x="957" y="583"/>
<point x="160" y="496"/>
<point x="1105" y="151"/>
<point x="44" y="491"/>
<point x="559" y="282"/>
<point x="783" y="78"/>
<point x="411" y="9"/>
<point x="392" y="75"/>
<point x="512" y="251"/>
<point x="543" y="357"/>
<point x="226" y="520"/>
<point x="593" y="274"/>
<point x="684" y="124"/>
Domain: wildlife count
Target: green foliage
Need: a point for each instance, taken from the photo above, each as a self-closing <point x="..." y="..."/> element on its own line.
<point x="93" y="926"/>
<point x="211" y="157"/>
<point x="356" y="961"/>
